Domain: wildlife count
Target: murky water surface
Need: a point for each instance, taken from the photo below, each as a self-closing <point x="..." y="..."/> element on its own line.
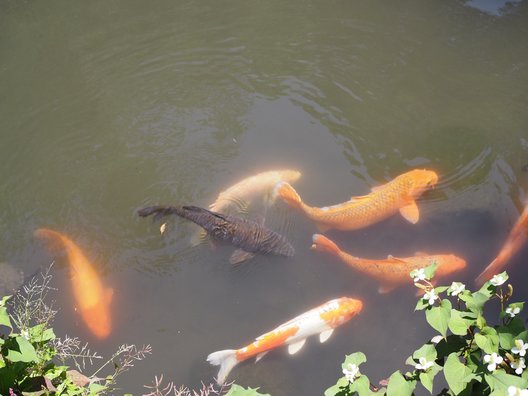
<point x="107" y="106"/>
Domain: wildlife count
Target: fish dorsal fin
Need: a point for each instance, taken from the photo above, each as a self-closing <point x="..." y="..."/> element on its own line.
<point x="386" y="288"/>
<point x="410" y="212"/>
<point x="325" y="335"/>
<point x="358" y="197"/>
<point x="392" y="258"/>
<point x="260" y="356"/>
<point x="420" y="253"/>
<point x="240" y="256"/>
<point x="296" y="347"/>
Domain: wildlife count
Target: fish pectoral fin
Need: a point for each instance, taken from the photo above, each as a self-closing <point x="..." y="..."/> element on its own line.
<point x="296" y="347"/>
<point x="386" y="288"/>
<point x="410" y="212"/>
<point x="240" y="256"/>
<point x="325" y="335"/>
<point x="260" y="356"/>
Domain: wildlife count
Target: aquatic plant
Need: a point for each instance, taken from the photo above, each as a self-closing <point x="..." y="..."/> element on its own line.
<point x="475" y="357"/>
<point x="28" y="348"/>
<point x="159" y="389"/>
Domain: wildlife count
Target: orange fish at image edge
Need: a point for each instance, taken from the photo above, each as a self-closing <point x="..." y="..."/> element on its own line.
<point x="91" y="297"/>
<point x="399" y="194"/>
<point x="516" y="239"/>
<point x="392" y="271"/>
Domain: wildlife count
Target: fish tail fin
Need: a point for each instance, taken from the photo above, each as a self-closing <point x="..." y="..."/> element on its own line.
<point x="287" y="193"/>
<point x="158" y="211"/>
<point x="323" y="244"/>
<point x="226" y="359"/>
<point x="492" y="269"/>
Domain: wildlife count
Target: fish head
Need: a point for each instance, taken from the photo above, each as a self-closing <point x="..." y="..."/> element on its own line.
<point x="290" y="175"/>
<point x="341" y="310"/>
<point x="422" y="180"/>
<point x="450" y="264"/>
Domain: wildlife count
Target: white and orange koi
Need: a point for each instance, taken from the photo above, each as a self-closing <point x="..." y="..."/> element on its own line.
<point x="393" y="271"/>
<point x="399" y="194"/>
<point x="321" y="320"/>
<point x="91" y="297"/>
<point x="516" y="239"/>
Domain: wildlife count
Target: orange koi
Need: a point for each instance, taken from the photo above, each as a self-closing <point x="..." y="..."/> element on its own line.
<point x="393" y="271"/>
<point x="516" y="239"/>
<point x="91" y="297"/>
<point x="321" y="320"/>
<point x="399" y="194"/>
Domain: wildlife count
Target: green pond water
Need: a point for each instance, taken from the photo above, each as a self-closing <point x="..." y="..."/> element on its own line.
<point x="107" y="106"/>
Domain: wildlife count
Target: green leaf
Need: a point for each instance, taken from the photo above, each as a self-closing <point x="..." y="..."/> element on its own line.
<point x="96" y="389"/>
<point x="361" y="385"/>
<point x="237" y="390"/>
<point x="500" y="381"/>
<point x="488" y="340"/>
<point x="39" y="333"/>
<point x="399" y="386"/>
<point x="427" y="377"/>
<point x="355" y="358"/>
<point x="460" y="322"/>
<point x="4" y="317"/>
<point x="421" y="305"/>
<point x="427" y="351"/>
<point x="438" y="317"/>
<point x="25" y="353"/>
<point x="457" y="374"/>
<point x="430" y="270"/>
<point x="475" y="302"/>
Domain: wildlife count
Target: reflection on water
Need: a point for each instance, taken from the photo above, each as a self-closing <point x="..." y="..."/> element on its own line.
<point x="108" y="107"/>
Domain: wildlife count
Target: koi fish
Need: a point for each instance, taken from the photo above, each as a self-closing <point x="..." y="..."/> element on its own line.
<point x="249" y="236"/>
<point x="321" y="320"/>
<point x="247" y="189"/>
<point x="516" y="239"/>
<point x="399" y="194"/>
<point x="393" y="271"/>
<point x="92" y="299"/>
<point x="244" y="190"/>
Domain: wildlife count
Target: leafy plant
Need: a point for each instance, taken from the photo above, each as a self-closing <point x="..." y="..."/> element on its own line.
<point x="474" y="356"/>
<point x="28" y="348"/>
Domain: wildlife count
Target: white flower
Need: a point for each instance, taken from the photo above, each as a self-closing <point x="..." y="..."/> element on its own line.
<point x="519" y="366"/>
<point x="423" y="364"/>
<point x="493" y="361"/>
<point x="456" y="288"/>
<point x="418" y="275"/>
<point x="519" y="348"/>
<point x="351" y="372"/>
<point x="498" y="280"/>
<point x="437" y="339"/>
<point x="430" y="296"/>
<point x="25" y="334"/>
<point x="514" y="391"/>
<point x="513" y="311"/>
